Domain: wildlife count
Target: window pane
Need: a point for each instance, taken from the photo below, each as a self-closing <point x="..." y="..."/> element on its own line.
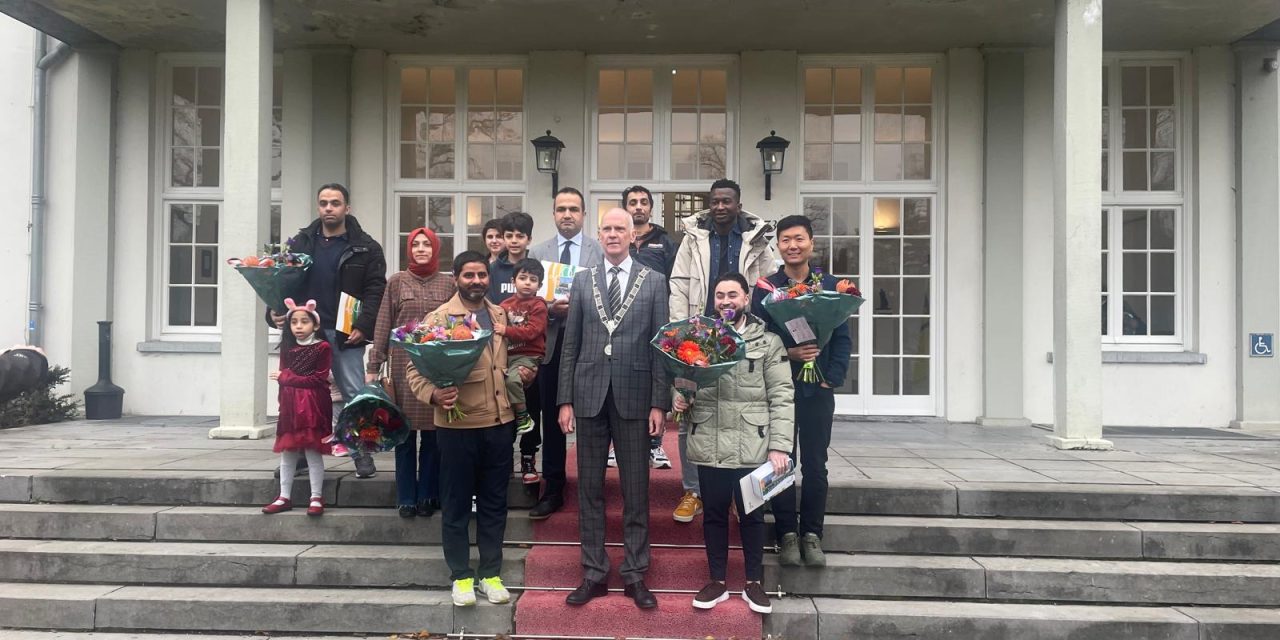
<point x="207" y="223"/>
<point x="888" y="256"/>
<point x="206" y="265"/>
<point x="1162" y="90"/>
<point x="186" y="128"/>
<point x="510" y="161"/>
<point x="1133" y="86"/>
<point x="712" y="127"/>
<point x="845" y="217"/>
<point x="413" y="85"/>
<point x="915" y="296"/>
<point x="684" y="87"/>
<point x="817" y="86"/>
<point x="884" y="376"/>
<point x="1163" y="175"/>
<point x="916" y="256"/>
<point x="611" y="89"/>
<point x="640" y="126"/>
<point x="1162" y="270"/>
<point x="479" y="211"/>
<point x="888" y="85"/>
<point x="1135" y="229"/>
<point x="209" y="91"/>
<point x="413" y="124"/>
<point x="885" y="337"/>
<point x="443" y="86"/>
<point x="846" y="162"/>
<point x="440" y="125"/>
<point x="1163" y="230"/>
<point x="181" y="218"/>
<point x="609" y="161"/>
<point x="1134" y="319"/>
<point x="919" y="85"/>
<point x="916" y="124"/>
<point x="713" y="87"/>
<point x="206" y="303"/>
<point x="510" y="87"/>
<point x="888" y="161"/>
<point x="1135" y="171"/>
<point x="711" y="161"/>
<point x="611" y="126"/>
<point x="208" y="171"/>
<point x="510" y="126"/>
<point x="480" y="125"/>
<point x="918" y="161"/>
<point x="413" y="213"/>
<point x="1134" y="123"/>
<point x="915" y="336"/>
<point x="887" y="217"/>
<point x="639" y="161"/>
<point x="1162" y="315"/>
<point x="180" y="265"/>
<point x="844" y="256"/>
<point x="480" y="87"/>
<point x="1164" y="129"/>
<point x="887" y="295"/>
<point x="180" y="306"/>
<point x="184" y="85"/>
<point x="273" y="236"/>
<point x="440" y="214"/>
<point x="441" y="161"/>
<point x="848" y="86"/>
<point x="917" y="217"/>
<point x="1135" y="272"/>
<point x="817" y="162"/>
<point x="182" y="167"/>
<point x="888" y="124"/>
<point x="846" y="125"/>
<point x="639" y="87"/>
<point x="818" y="210"/>
<point x="412" y="160"/>
<point x="480" y="162"/>
<point x="915" y="376"/>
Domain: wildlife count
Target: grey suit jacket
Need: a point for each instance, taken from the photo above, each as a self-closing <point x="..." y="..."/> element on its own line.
<point x="639" y="382"/>
<point x="590" y="254"/>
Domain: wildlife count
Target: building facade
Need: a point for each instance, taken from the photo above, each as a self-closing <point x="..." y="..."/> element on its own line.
<point x="1061" y="213"/>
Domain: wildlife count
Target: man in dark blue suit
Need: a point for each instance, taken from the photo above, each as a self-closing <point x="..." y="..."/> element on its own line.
<point x="815" y="403"/>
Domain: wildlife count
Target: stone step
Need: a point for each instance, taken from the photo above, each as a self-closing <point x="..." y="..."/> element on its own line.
<point x="801" y="619"/>
<point x="226" y="564"/>
<point x="862" y="534"/>
<point x="240" y="488"/>
<point x="847" y="496"/>
<point x="1136" y="582"/>
<point x="243" y="610"/>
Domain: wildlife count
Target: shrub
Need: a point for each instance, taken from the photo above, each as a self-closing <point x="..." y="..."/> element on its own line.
<point x="41" y="405"/>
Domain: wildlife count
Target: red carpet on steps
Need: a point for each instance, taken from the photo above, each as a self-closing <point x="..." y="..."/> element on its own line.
<point x="545" y="612"/>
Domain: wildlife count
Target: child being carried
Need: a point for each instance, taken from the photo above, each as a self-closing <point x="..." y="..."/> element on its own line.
<point x="526" y="335"/>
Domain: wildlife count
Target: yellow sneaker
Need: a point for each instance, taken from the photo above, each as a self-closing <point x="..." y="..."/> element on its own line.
<point x="690" y="507"/>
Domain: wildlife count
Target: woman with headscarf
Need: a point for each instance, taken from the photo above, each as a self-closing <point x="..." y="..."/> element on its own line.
<point x="410" y="295"/>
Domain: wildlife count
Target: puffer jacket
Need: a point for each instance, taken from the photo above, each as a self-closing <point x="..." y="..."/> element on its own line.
<point x="691" y="273"/>
<point x="748" y="411"/>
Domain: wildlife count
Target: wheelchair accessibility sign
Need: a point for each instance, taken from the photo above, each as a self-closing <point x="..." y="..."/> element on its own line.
<point x="1260" y="345"/>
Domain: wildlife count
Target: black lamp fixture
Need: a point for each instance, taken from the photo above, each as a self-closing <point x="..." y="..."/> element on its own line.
<point x="773" y="150"/>
<point x="546" y="150"/>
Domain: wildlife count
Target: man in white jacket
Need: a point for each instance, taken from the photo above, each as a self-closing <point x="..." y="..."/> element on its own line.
<point x="721" y="239"/>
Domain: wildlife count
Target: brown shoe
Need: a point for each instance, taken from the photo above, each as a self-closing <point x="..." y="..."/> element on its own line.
<point x="711" y="595"/>
<point x="689" y="508"/>
<point x="756" y="598"/>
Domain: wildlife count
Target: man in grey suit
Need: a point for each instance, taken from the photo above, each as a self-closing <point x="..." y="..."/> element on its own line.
<point x="612" y="388"/>
<point x="570" y="246"/>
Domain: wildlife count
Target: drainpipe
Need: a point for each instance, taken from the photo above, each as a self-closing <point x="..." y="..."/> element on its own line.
<point x="40" y="92"/>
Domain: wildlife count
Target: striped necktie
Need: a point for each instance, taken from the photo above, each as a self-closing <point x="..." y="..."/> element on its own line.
<point x="615" y="291"/>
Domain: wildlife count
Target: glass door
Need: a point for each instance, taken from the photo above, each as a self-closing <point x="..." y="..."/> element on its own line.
<point x="884" y="243"/>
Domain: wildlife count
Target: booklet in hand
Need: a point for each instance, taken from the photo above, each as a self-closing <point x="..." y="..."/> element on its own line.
<point x="761" y="485"/>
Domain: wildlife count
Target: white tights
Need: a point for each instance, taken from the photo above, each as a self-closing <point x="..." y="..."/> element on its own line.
<point x="315" y="471"/>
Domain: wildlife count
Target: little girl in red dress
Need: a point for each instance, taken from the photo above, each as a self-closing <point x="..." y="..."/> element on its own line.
<point x="306" y="414"/>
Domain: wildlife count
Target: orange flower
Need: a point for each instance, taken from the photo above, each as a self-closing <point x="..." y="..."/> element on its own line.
<point x="690" y="353"/>
<point x="461" y="332"/>
<point x="847" y="286"/>
<point x="369" y="434"/>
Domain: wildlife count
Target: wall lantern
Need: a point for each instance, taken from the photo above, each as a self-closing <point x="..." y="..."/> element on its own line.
<point x="546" y="150"/>
<point x="773" y="150"/>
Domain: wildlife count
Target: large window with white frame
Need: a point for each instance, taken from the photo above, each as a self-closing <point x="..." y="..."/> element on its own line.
<point x="190" y="102"/>
<point x="458" y="146"/>
<point x="869" y="184"/>
<point x="1143" y="220"/>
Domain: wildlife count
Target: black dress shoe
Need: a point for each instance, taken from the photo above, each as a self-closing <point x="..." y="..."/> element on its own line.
<point x="588" y="592"/>
<point x="546" y="507"/>
<point x="427" y="508"/>
<point x="641" y="594"/>
<point x="407" y="511"/>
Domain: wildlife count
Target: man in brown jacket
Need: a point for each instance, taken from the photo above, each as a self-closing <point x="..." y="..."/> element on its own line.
<point x="475" y="451"/>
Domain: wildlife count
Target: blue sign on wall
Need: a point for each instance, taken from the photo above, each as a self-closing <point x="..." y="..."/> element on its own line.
<point x="1260" y="345"/>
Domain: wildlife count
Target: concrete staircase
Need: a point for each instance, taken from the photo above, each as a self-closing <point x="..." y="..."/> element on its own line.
<point x="160" y="554"/>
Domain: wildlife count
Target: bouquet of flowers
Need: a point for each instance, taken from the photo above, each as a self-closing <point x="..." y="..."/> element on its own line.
<point x="370" y="423"/>
<point x="696" y="351"/>
<point x="810" y="313"/>
<point x="275" y="275"/>
<point x="444" y="353"/>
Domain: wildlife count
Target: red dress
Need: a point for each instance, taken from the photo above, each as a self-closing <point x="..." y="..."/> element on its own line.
<point x="306" y="413"/>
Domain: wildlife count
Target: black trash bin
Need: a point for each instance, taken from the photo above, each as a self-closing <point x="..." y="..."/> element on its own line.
<point x="104" y="400"/>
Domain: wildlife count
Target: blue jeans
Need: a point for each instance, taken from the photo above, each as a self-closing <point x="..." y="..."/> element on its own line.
<point x="348" y="368"/>
<point x="417" y="469"/>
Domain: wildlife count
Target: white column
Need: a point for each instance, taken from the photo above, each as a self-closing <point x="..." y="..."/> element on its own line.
<point x="296" y="203"/>
<point x="244" y="217"/>
<point x="1257" y="402"/>
<point x="963" y="358"/>
<point x="369" y="168"/>
<point x="556" y="84"/>
<point x="770" y="102"/>
<point x="330" y="121"/>
<point x="1002" y="370"/>
<point x="1077" y="226"/>
<point x="91" y="268"/>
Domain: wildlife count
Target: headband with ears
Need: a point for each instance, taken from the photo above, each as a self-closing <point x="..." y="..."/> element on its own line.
<point x="309" y="308"/>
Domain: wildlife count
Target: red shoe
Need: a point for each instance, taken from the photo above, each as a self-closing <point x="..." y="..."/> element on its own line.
<point x="316" y="508"/>
<point x="278" y="505"/>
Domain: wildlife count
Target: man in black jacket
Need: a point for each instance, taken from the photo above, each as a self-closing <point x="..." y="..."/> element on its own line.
<point x="347" y="260"/>
<point x="652" y="248"/>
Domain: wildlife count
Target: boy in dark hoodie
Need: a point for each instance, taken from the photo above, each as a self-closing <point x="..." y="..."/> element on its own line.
<point x="517" y="228"/>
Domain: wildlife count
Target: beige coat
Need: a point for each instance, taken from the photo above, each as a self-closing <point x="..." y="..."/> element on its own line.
<point x="691" y="275"/>
<point x="483" y="395"/>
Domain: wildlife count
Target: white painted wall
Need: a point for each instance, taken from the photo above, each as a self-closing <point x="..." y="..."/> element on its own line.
<point x="16" y="41"/>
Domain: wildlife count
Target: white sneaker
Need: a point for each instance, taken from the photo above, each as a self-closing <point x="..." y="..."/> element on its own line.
<point x="494" y="590"/>
<point x="658" y="458"/>
<point x="464" y="592"/>
<point x="613" y="458"/>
